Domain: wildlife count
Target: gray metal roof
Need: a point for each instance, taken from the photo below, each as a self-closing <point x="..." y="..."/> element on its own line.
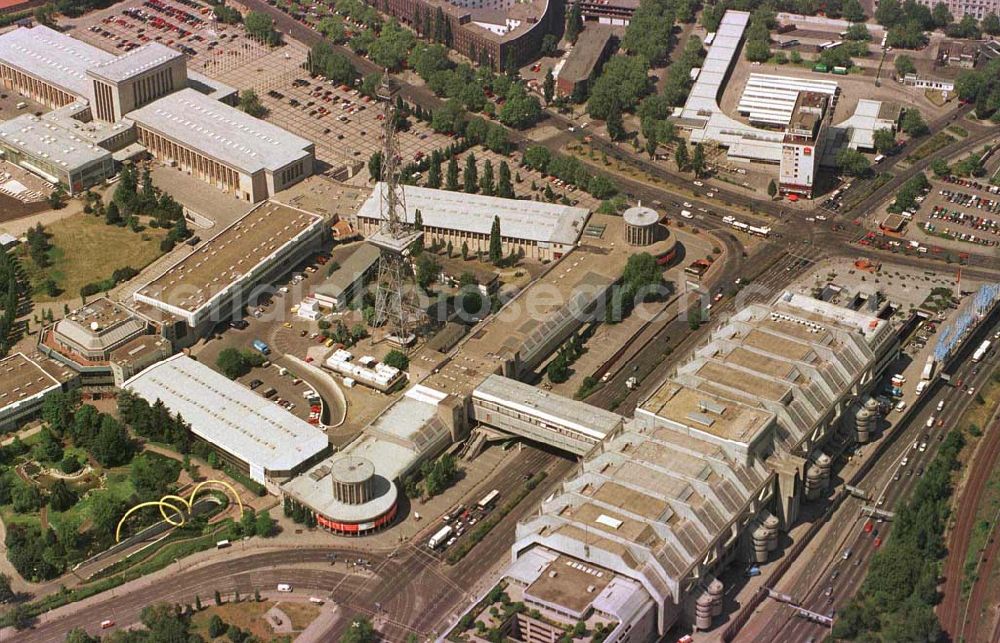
<point x="589" y="420"/>
<point x="229" y="415"/>
<point x="53" y="57"/>
<point x="135" y="62"/>
<point x="221" y="132"/>
<point x="47" y="140"/>
<point x="519" y="219"/>
<point x="353" y="268"/>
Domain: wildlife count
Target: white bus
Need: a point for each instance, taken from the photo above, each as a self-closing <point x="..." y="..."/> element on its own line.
<point x="489" y="499"/>
<point x="981" y="351"/>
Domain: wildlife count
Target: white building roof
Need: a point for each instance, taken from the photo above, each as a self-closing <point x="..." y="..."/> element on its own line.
<point x="771" y="99"/>
<point x="544" y="223"/>
<point x="863" y="123"/>
<point x="702" y="101"/>
<point x="552" y="409"/>
<point x="53" y="57"/>
<point x="221" y="132"/>
<point x="45" y="139"/>
<point x="135" y="62"/>
<point x="229" y="415"/>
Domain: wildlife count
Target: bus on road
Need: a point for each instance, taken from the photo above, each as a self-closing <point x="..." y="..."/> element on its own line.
<point x="981" y="351"/>
<point x="489" y="499"/>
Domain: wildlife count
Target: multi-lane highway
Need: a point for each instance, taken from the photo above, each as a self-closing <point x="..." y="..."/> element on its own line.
<point x="831" y="580"/>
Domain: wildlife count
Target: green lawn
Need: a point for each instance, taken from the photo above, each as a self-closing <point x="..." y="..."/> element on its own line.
<point x="85" y="250"/>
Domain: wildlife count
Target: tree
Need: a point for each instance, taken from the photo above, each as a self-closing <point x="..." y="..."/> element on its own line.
<point x="57" y="198"/>
<point x="772" y="189"/>
<point x="852" y="162"/>
<point x="991" y="24"/>
<point x="48" y="448"/>
<point x="681" y="155"/>
<point x="904" y="65"/>
<point x="250" y="103"/>
<point x="264" y="524"/>
<point x="941" y="16"/>
<point x="488" y="181"/>
<point x="549" y="86"/>
<point x="496" y="248"/>
<point x="153" y="475"/>
<point x="260" y="26"/>
<point x="623" y="81"/>
<point x="698" y="160"/>
<point x="853" y="11"/>
<point x="451" y="177"/>
<point x="61" y="497"/>
<point x="375" y="166"/>
<point x="79" y="635"/>
<point x="574" y="23"/>
<point x="504" y="189"/>
<point x="940" y="167"/>
<point x="885" y="141"/>
<point x="360" y="631"/>
<point x="434" y="174"/>
<point x="216" y="626"/>
<point x="45" y="15"/>
<point x="397" y="359"/>
<point x="616" y="126"/>
<point x="470" y="175"/>
<point x="112" y="446"/>
<point x="913" y="123"/>
<point x="520" y="109"/>
<point x="232" y="363"/>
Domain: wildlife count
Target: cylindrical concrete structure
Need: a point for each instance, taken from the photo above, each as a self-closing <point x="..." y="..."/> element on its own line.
<point x="715" y="589"/>
<point x="863" y="425"/>
<point x="817" y="476"/>
<point x="771" y="523"/>
<point x="353" y="480"/>
<point x="760" y="544"/>
<point x="640" y="225"/>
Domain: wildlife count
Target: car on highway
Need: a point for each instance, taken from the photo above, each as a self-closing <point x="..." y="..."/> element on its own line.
<point x="972" y="390"/>
<point x="940" y="405"/>
<point x="699" y="183"/>
<point x="688" y="205"/>
<point x="920" y="472"/>
<point x="107" y="623"/>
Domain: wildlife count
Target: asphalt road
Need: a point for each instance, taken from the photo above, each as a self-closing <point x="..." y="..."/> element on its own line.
<point x="820" y="591"/>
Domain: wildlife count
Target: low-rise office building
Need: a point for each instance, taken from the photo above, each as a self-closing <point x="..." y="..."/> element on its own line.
<point x="347" y="282"/>
<point x="248" y="431"/>
<point x="24" y="386"/>
<point x="365" y="370"/>
<point x="583" y="64"/>
<point x="222" y="145"/>
<point x="542" y="231"/>
<point x="54" y="153"/>
<point x="215" y="282"/>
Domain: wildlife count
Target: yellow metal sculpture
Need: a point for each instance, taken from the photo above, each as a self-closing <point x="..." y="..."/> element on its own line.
<point x="180" y="510"/>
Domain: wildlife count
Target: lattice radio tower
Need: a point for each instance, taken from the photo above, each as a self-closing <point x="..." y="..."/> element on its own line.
<point x="394" y="306"/>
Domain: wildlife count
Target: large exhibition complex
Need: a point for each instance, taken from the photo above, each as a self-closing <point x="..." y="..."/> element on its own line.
<point x="146" y="96"/>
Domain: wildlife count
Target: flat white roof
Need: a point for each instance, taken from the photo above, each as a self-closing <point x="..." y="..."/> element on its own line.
<point x="135" y="62"/>
<point x="771" y="99"/>
<point x="544" y="223"/>
<point x="51" y="142"/>
<point x="229" y="415"/>
<point x="702" y="101"/>
<point x="52" y="57"/>
<point x="221" y="132"/>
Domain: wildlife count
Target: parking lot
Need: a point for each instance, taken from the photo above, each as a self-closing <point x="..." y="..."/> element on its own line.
<point x="345" y="125"/>
<point x="185" y="25"/>
<point x="960" y="214"/>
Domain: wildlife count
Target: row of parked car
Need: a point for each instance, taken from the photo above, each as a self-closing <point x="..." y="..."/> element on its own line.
<point x="971" y="200"/>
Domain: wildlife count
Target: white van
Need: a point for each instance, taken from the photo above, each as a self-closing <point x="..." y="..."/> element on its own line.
<point x="284" y="587"/>
<point x="687" y="214"/>
<point x="940" y="406"/>
<point x="930" y="422"/>
<point x="315" y="600"/>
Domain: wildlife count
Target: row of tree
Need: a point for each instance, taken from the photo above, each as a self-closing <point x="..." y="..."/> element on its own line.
<point x="569" y="169"/>
<point x="10" y="299"/>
